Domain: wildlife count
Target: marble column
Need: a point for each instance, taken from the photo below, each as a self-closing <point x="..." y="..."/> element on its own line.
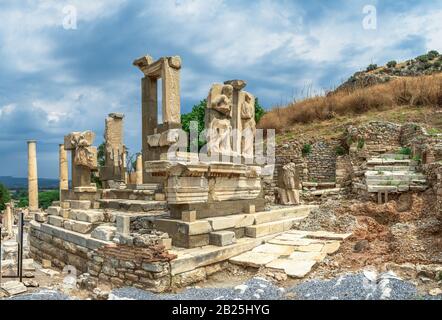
<point x="32" y="176"/>
<point x="139" y="169"/>
<point x="63" y="169"/>
<point x="8" y="219"/>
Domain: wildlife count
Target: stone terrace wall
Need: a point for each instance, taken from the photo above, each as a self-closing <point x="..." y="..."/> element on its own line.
<point x="434" y="176"/>
<point x="376" y="136"/>
<point x="318" y="166"/>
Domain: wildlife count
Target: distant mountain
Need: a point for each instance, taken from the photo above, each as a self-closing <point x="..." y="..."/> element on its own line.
<point x="22" y="183"/>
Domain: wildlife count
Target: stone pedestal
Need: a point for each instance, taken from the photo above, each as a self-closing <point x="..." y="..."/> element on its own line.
<point x="32" y="176"/>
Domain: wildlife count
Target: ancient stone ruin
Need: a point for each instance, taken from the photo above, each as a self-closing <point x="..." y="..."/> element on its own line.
<point x="182" y="215"/>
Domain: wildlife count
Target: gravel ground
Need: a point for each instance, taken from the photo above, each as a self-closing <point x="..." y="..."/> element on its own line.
<point x="42" y="295"/>
<point x="365" y="285"/>
<point x="253" y="289"/>
<point x="360" y="286"/>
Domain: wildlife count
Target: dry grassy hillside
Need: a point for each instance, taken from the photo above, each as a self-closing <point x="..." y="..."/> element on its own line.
<point x="395" y="96"/>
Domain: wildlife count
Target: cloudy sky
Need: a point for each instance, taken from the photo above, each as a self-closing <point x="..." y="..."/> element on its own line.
<point x="57" y="77"/>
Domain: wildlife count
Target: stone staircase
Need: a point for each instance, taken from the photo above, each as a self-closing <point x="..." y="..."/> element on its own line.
<point x="143" y="198"/>
<point x="80" y="216"/>
<point x="224" y="231"/>
<point x="393" y="173"/>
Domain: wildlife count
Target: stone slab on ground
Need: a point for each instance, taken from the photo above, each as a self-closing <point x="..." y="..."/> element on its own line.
<point x="331" y="247"/>
<point x="274" y="249"/>
<point x="13" y="287"/>
<point x="320" y="234"/>
<point x="254" y="259"/>
<point x="293" y="268"/>
<point x="307" y="256"/>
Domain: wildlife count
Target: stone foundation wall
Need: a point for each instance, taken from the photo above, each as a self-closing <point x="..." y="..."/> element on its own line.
<point x="118" y="266"/>
<point x="143" y="268"/>
<point x="60" y="252"/>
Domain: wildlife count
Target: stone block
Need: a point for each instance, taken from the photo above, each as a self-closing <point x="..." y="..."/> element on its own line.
<point x="65" y="213"/>
<point x="82" y="227"/>
<point x="89" y="216"/>
<point x="173" y="227"/>
<point x="294" y="269"/>
<point x="68" y="224"/>
<point x="80" y="204"/>
<point x="104" y="233"/>
<point x="253" y="259"/>
<point x="160" y="197"/>
<point x="65" y="204"/>
<point x="229" y="222"/>
<point x="188" y="216"/>
<point x="123" y="224"/>
<point x="56" y="221"/>
<point x="167" y="243"/>
<point x="40" y="217"/>
<point x="53" y="211"/>
<point x="250" y="209"/>
<point x="222" y="238"/>
<point x="89" y="136"/>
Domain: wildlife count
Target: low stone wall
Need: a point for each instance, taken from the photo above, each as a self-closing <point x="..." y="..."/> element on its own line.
<point x="434" y="175"/>
<point x="374" y="137"/>
<point x="144" y="268"/>
<point x="118" y="265"/>
<point x="60" y="252"/>
<point x="319" y="165"/>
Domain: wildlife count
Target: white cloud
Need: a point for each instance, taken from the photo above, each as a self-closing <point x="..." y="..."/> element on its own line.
<point x="27" y="45"/>
<point x="8" y="109"/>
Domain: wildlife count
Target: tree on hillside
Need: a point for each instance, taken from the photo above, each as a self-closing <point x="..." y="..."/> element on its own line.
<point x="5" y="197"/>
<point x="46" y="198"/>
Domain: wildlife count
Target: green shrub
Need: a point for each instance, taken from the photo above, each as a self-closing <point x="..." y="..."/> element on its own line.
<point x="417" y="158"/>
<point x="372" y="67"/>
<point x="392" y="64"/>
<point x="405" y="151"/>
<point x="437" y="64"/>
<point x="306" y="149"/>
<point x="340" y="151"/>
<point x="5" y="196"/>
<point x="361" y="143"/>
<point x="46" y="198"/>
<point x="432" y="54"/>
<point x="423" y="58"/>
